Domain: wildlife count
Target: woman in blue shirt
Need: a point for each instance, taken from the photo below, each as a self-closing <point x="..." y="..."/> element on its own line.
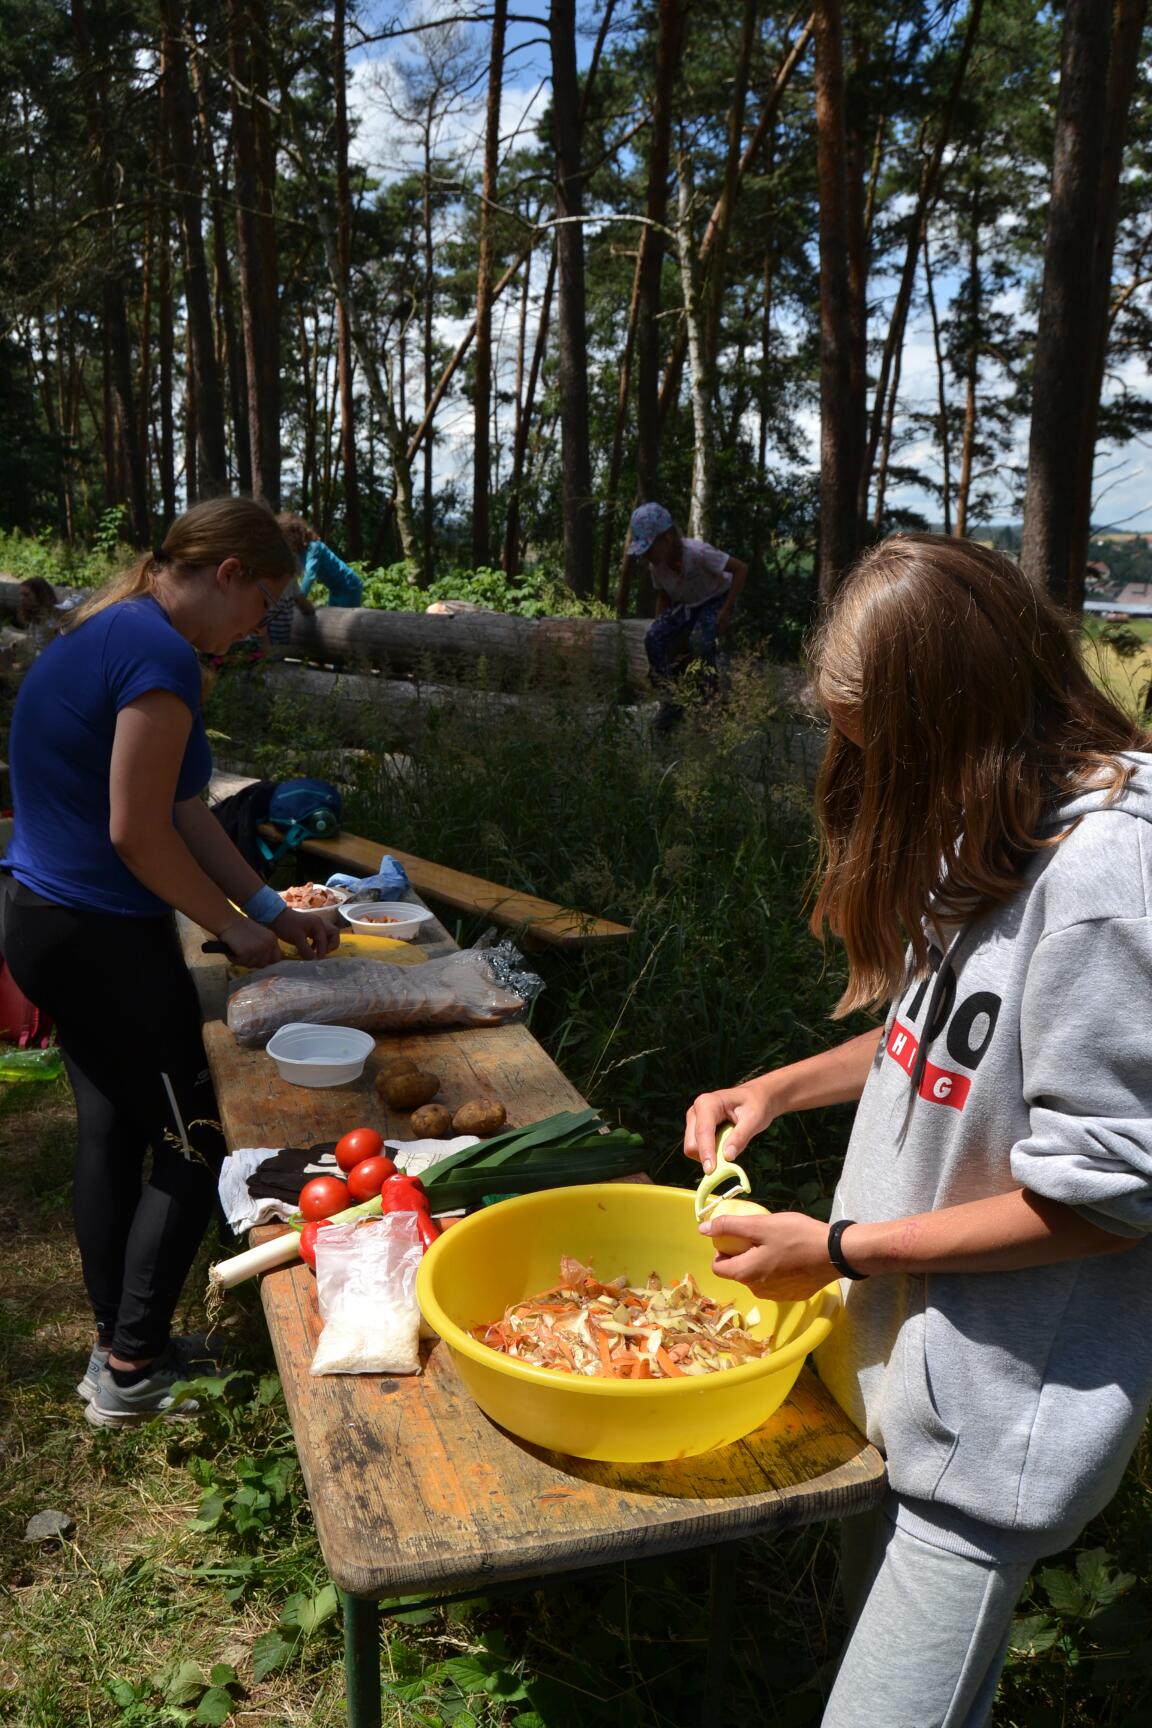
<point x="320" y="564"/>
<point x="108" y="759"/>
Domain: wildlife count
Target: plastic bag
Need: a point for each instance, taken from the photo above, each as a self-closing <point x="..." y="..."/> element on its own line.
<point x="366" y="1287"/>
<point x="474" y="987"/>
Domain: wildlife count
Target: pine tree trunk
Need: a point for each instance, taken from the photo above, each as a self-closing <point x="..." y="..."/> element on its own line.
<point x="700" y="373"/>
<point x="971" y="371"/>
<point x="511" y="558"/>
<point x="941" y="393"/>
<point x="353" y="535"/>
<point x="579" y="505"/>
<point x="482" y="385"/>
<point x="669" y="41"/>
<point x="1054" y="545"/>
<point x="256" y="240"/>
<point x="841" y="442"/>
<point x="184" y="156"/>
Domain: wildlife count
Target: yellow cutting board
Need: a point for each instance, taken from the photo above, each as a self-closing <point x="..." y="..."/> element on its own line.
<point x="355" y="947"/>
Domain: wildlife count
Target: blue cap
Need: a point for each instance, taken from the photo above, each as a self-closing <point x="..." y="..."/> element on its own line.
<point x="648" y="522"/>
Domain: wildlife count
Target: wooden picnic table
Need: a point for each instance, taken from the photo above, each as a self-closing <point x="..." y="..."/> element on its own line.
<point x="413" y="1490"/>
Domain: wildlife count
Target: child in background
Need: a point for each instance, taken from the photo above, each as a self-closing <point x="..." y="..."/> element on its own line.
<point x="320" y="564"/>
<point x="696" y="586"/>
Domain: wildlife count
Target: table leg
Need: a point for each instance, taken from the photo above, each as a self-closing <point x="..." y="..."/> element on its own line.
<point x="721" y="1604"/>
<point x="361" y="1660"/>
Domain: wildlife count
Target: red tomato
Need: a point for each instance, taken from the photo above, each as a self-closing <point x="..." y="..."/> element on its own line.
<point x="368" y="1177"/>
<point x="403" y="1194"/>
<point x="356" y="1145"/>
<point x="308" y="1240"/>
<point x="323" y="1196"/>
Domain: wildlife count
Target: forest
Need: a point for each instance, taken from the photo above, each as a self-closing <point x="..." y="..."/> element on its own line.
<point x="463" y="284"/>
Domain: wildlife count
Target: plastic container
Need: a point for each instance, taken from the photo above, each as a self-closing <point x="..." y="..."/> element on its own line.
<point x="31" y="1064"/>
<point x="395" y="918"/>
<point x="329" y="913"/>
<point x="507" y="1252"/>
<point x="319" y="1055"/>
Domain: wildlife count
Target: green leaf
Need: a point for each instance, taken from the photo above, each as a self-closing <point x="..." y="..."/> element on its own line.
<point x="223" y="1674"/>
<point x="1031" y="1635"/>
<point x="209" y="1512"/>
<point x="1062" y="1590"/>
<point x="215" y="1707"/>
<point x="405" y="1691"/>
<point x="185" y="1683"/>
<point x="1100" y="1582"/>
<point x="309" y="1612"/>
<point x="123" y="1693"/>
<point x="470" y="1673"/>
<point x="271" y="1652"/>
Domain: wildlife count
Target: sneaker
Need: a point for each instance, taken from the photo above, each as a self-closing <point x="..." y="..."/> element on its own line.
<point x="125" y="1406"/>
<point x="193" y="1353"/>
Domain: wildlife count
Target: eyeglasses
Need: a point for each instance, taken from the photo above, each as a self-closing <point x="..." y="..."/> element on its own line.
<point x="269" y="599"/>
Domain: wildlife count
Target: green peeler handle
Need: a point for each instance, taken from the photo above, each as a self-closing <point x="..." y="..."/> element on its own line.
<point x="725" y="1171"/>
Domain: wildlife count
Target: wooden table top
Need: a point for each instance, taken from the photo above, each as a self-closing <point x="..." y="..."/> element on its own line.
<point x="413" y="1489"/>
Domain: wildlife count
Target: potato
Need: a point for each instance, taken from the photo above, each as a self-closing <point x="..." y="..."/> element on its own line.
<point x="408" y="1091"/>
<point x="734" y="1208"/>
<point x="431" y="1122"/>
<point x="399" y="1065"/>
<point x="481" y="1116"/>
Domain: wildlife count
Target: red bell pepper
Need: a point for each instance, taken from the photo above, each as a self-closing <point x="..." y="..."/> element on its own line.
<point x="403" y="1194"/>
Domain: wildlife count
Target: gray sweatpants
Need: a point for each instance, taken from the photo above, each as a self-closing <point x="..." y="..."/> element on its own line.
<point x="929" y="1630"/>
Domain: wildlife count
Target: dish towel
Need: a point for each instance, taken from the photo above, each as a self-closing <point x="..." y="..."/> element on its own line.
<point x="243" y="1212"/>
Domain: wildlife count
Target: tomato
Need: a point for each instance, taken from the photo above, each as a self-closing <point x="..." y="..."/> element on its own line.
<point x="368" y="1177"/>
<point x="403" y="1194"/>
<point x="356" y="1145"/>
<point x="323" y="1196"/>
<point x="308" y="1240"/>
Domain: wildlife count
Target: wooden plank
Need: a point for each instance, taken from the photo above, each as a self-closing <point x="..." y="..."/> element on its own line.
<point x="543" y="920"/>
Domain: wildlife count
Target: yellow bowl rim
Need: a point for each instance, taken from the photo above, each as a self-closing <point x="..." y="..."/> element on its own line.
<point x="459" y="1340"/>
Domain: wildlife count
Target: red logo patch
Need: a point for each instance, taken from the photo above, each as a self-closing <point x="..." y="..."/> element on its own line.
<point x="937" y="1085"/>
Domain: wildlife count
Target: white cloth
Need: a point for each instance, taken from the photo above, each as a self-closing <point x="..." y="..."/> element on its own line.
<point x="243" y="1212"/>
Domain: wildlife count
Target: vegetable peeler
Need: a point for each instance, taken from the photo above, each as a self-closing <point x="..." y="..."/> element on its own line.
<point x="724" y="1171"/>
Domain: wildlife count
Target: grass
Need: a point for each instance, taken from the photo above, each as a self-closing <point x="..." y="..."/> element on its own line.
<point x="192" y="1589"/>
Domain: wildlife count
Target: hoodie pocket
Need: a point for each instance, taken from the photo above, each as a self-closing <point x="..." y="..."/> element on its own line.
<point x="920" y="1444"/>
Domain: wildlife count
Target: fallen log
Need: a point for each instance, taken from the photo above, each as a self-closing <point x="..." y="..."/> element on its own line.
<point x="493" y="648"/>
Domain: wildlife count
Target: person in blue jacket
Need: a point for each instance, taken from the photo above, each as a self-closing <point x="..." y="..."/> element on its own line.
<point x="109" y="758"/>
<point x="319" y="564"/>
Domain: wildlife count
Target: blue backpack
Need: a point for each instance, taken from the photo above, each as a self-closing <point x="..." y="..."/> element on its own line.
<point x="301" y="810"/>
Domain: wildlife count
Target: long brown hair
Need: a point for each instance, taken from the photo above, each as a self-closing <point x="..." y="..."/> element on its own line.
<point x="963" y="683"/>
<point x="207" y="533"/>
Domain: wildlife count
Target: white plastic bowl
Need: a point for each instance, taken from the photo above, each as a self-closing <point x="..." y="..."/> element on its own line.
<point x="319" y="1055"/>
<point x="331" y="913"/>
<point x="371" y="918"/>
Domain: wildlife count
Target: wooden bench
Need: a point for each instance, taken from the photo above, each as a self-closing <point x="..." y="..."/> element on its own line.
<point x="414" y="1492"/>
<point x="539" y="920"/>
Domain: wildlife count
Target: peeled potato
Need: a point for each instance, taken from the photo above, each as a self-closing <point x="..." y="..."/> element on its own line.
<point x="720" y="1208"/>
<point x="407" y="1091"/>
<point x="481" y="1116"/>
<point x="431" y="1122"/>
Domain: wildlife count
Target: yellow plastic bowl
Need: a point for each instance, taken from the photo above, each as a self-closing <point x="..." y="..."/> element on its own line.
<point x="512" y="1250"/>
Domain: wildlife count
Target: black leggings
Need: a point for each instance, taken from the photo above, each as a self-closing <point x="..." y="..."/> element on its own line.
<point x="128" y="1022"/>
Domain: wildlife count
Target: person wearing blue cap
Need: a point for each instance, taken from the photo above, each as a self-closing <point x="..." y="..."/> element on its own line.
<point x="696" y="586"/>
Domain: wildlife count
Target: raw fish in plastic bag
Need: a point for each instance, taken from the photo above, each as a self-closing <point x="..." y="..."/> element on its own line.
<point x="366" y="1288"/>
<point x="473" y="987"/>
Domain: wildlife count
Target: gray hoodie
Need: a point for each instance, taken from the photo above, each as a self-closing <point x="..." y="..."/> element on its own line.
<point x="1016" y="1398"/>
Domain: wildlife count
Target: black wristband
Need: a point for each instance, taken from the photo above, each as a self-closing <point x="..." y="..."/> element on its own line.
<point x="835" y="1253"/>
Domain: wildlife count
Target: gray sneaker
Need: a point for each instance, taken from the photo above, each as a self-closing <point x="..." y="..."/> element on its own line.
<point x="115" y="1406"/>
<point x="193" y="1352"/>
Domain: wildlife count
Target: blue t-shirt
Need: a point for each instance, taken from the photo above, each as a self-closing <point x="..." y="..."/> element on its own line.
<point x="322" y="565"/>
<point x="60" y="753"/>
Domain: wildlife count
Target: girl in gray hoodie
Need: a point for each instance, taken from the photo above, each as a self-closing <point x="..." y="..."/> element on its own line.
<point x="986" y="824"/>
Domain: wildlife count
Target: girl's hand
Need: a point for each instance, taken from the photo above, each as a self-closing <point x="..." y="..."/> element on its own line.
<point x="748" y="1107"/>
<point x="311" y="935"/>
<point x="786" y="1257"/>
<point x="723" y="619"/>
<point x="250" y="944"/>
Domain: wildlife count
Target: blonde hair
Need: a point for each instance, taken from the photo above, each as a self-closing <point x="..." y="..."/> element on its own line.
<point x="963" y="682"/>
<point x="207" y="533"/>
<point x="298" y="533"/>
